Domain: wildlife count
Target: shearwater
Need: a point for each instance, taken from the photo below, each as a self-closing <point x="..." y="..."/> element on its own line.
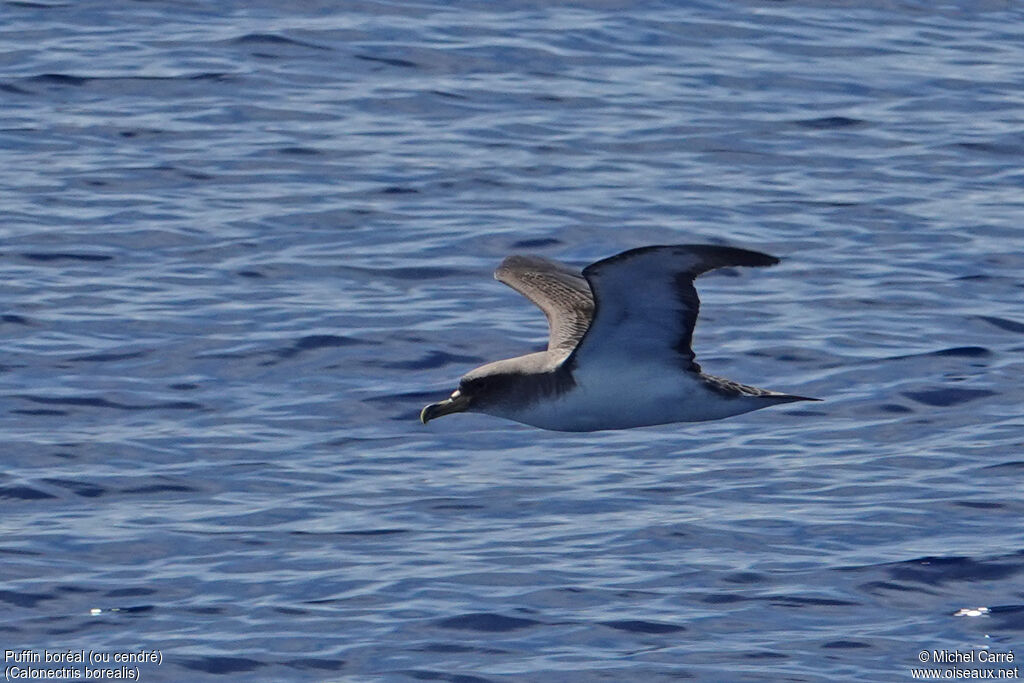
<point x="620" y="346"/>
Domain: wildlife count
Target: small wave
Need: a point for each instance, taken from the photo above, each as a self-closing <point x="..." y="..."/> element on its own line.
<point x="64" y="256"/>
<point x="639" y="626"/>
<point x="487" y="622"/>
<point x="221" y="665"/>
<point x="96" y="402"/>
<point x="274" y="39"/>
<point x="943" y="398"/>
<point x="1003" y="323"/>
<point x="830" y="122"/>
<point x="390" y="61"/>
<point x="316" y="341"/>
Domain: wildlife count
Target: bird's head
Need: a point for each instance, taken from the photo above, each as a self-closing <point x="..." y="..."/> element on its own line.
<point x="458" y="402"/>
<point x="502" y="388"/>
<point x="470" y="396"/>
<point x="483" y="390"/>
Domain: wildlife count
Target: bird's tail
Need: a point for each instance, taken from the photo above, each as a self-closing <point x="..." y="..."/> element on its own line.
<point x="789" y="398"/>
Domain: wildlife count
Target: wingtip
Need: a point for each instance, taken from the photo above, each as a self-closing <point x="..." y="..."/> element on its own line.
<point x="711" y="256"/>
<point x="790" y="398"/>
<point x="513" y="261"/>
<point x="744" y="257"/>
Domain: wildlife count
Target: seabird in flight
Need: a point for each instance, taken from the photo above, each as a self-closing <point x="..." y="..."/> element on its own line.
<point x="619" y="353"/>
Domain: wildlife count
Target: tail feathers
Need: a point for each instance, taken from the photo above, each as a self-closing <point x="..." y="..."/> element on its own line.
<point x="789" y="398"/>
<point x="731" y="389"/>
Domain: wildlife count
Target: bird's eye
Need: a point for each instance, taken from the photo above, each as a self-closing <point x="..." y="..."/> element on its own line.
<point x="456" y="393"/>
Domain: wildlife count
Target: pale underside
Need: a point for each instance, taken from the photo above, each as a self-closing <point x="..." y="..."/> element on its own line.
<point x="606" y="396"/>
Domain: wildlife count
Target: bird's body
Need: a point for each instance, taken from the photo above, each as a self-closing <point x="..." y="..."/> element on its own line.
<point x="619" y="353"/>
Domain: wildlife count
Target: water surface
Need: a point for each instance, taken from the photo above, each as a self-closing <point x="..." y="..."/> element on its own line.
<point x="243" y="244"/>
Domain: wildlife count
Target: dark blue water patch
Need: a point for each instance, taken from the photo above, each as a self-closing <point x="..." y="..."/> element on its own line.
<point x="935" y="571"/>
<point x="13" y="89"/>
<point x="133" y="610"/>
<point x="723" y="598"/>
<point x="291" y="611"/>
<point x="639" y="626"/>
<point x="64" y="256"/>
<point x="964" y="352"/>
<point x="895" y="408"/>
<point x="311" y="664"/>
<point x="79" y="488"/>
<point x="882" y="588"/>
<point x="830" y="122"/>
<point x="487" y="622"/>
<point x="745" y="578"/>
<point x="449" y="95"/>
<point x="1003" y="323"/>
<point x="413" y="397"/>
<point x="355" y="532"/>
<point x="427" y="675"/>
<point x="408" y="415"/>
<point x="373" y="532"/>
<point x="317" y="341"/>
<point x="274" y="39"/>
<point x="988" y="148"/>
<point x="434" y="359"/>
<point x="14" y="319"/>
<point x="1012" y="465"/>
<point x="24" y="599"/>
<point x="944" y="398"/>
<point x="954" y="352"/>
<point x="107" y="357"/>
<point x="457" y="506"/>
<point x="160" y="488"/>
<point x="41" y="412"/>
<point x="799" y="601"/>
<point x="844" y="645"/>
<point x="398" y="189"/>
<point x="129" y="592"/>
<point x="183" y="386"/>
<point x="299" y="151"/>
<point x="458" y="648"/>
<point x="536" y="243"/>
<point x="95" y="402"/>
<point x="221" y="665"/>
<point x="250" y="274"/>
<point x="979" y="504"/>
<point x="390" y="61"/>
<point x="58" y="79"/>
<point x="24" y="493"/>
<point x="36" y="5"/>
<point x="415" y="273"/>
<point x="765" y="654"/>
<point x="193" y="175"/>
<point x="1007" y="617"/>
<point x="219" y="76"/>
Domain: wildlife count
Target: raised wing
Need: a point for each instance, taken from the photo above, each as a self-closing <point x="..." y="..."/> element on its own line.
<point x="558" y="290"/>
<point x="645" y="302"/>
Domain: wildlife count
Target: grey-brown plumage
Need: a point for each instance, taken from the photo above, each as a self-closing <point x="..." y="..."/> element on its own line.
<point x="558" y="290"/>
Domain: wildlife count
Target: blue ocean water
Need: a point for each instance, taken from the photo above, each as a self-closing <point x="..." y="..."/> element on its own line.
<point x="244" y="243"/>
